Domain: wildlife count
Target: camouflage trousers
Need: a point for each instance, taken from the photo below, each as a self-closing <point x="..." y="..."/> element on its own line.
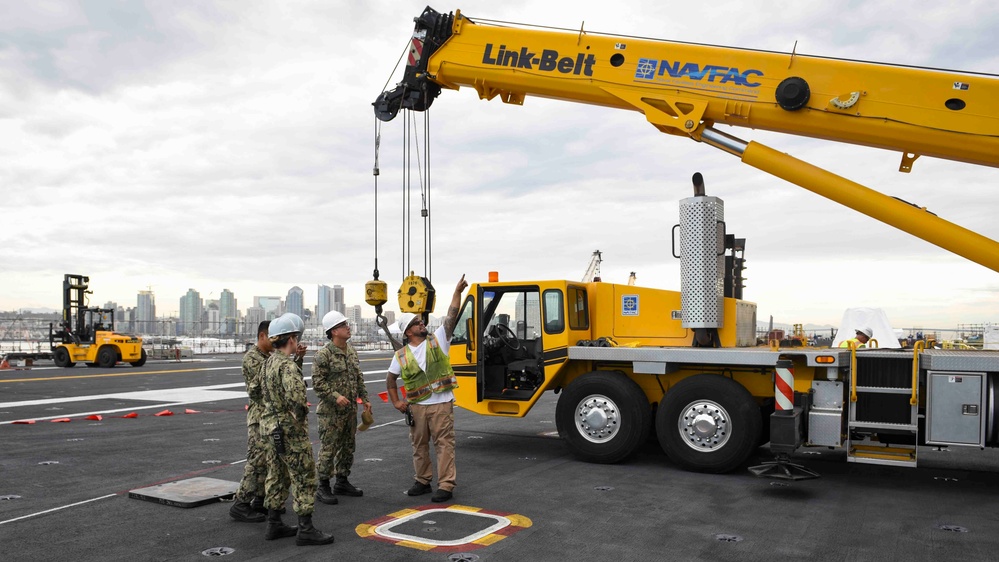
<point x="255" y="471"/>
<point x="337" y="443"/>
<point x="294" y="470"/>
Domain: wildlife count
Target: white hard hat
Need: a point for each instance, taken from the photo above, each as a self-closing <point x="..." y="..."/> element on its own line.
<point x="331" y="319"/>
<point x="866" y="331"/>
<point x="288" y="323"/>
<point x="405" y="319"/>
<point x="297" y="320"/>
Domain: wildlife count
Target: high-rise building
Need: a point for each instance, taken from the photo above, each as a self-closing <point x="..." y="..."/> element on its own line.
<point x="228" y="312"/>
<point x="254" y="316"/>
<point x="354" y="314"/>
<point x="527" y="319"/>
<point x="271" y="306"/>
<point x="325" y="299"/>
<point x="145" y="313"/>
<point x="338" y="304"/>
<point x="106" y="318"/>
<point x="212" y="324"/>
<point x="191" y="309"/>
<point x="295" y="303"/>
<point x="389" y="316"/>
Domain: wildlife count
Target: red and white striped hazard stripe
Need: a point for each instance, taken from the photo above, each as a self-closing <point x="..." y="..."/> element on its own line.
<point x="784" y="386"/>
<point x="415" y="51"/>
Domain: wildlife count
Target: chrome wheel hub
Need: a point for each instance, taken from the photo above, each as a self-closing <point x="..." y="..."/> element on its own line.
<point x="704" y="426"/>
<point x="597" y="418"/>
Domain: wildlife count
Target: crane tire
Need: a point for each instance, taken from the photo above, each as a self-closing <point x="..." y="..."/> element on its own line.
<point x="708" y="423"/>
<point x="603" y="417"/>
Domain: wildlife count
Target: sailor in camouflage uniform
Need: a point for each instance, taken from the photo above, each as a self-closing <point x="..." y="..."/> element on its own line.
<point x="289" y="451"/>
<point x="249" y="504"/>
<point x="336" y="376"/>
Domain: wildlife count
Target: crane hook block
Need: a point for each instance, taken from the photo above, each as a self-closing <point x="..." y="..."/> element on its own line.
<point x="376" y="292"/>
<point x="416" y="295"/>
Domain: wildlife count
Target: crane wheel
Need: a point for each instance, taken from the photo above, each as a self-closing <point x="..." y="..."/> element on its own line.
<point x="708" y="423"/>
<point x="107" y="356"/>
<point x="603" y="417"/>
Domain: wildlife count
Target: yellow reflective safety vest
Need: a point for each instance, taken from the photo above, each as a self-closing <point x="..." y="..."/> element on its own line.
<point x="856" y="343"/>
<point x="421" y="384"/>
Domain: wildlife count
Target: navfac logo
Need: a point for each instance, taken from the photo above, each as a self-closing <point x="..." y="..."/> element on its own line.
<point x="629" y="305"/>
<point x="649" y="69"/>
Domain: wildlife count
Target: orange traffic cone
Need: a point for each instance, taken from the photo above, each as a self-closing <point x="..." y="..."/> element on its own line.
<point x="384" y="394"/>
<point x="164" y="413"/>
<point x="61" y="420"/>
<point x="95" y="417"/>
<point x="131" y="415"/>
<point x="4" y="364"/>
<point x="190" y="411"/>
<point x="25" y="422"/>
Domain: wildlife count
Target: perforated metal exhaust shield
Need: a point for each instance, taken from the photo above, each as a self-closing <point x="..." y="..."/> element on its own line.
<point x="702" y="261"/>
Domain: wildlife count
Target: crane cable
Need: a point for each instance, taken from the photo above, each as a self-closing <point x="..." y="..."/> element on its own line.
<point x="411" y="143"/>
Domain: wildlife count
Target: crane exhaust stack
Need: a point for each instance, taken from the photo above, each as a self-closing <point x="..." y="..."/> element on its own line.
<point x="702" y="259"/>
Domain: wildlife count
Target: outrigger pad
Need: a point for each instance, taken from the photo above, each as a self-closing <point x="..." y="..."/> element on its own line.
<point x="187" y="493"/>
<point x="783" y="471"/>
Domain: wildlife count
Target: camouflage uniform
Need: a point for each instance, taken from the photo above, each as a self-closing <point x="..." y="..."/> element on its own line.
<point x="255" y="471"/>
<point x="337" y="372"/>
<point x="286" y="405"/>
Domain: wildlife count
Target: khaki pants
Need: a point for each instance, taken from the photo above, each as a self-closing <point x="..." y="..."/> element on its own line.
<point x="435" y="422"/>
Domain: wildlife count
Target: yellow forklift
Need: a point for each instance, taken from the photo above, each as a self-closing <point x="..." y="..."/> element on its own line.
<point x="83" y="334"/>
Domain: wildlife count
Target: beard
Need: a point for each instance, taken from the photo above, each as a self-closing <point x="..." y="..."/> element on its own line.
<point x="422" y="332"/>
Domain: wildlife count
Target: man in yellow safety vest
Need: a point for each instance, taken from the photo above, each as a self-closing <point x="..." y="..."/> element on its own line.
<point x="426" y="373"/>
<point x="860" y="340"/>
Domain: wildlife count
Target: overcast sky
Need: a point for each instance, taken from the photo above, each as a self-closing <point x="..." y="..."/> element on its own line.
<point x="211" y="145"/>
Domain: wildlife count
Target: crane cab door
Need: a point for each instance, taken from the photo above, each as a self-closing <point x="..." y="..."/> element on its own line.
<point x="501" y="337"/>
<point x="509" y="355"/>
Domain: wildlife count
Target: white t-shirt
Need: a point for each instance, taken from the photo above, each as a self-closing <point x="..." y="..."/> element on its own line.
<point x="420" y="353"/>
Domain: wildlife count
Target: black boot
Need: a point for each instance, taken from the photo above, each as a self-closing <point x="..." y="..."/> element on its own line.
<point x="309" y="535"/>
<point x="244" y="513"/>
<point x="276" y="529"/>
<point x="325" y="494"/>
<point x="345" y="488"/>
<point x="257" y="503"/>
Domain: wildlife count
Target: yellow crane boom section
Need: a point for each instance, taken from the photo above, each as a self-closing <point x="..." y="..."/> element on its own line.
<point x="896" y="108"/>
<point x="685" y="89"/>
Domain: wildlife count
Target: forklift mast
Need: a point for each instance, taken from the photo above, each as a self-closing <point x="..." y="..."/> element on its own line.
<point x="79" y="321"/>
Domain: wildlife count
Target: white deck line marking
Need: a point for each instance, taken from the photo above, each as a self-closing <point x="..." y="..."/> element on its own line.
<point x="57" y="509"/>
<point x="149" y="395"/>
<point x="175" y="397"/>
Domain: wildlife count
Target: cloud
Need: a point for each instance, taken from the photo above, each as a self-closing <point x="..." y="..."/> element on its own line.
<point x="218" y="145"/>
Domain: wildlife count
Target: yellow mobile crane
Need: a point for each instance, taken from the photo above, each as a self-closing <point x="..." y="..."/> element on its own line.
<point x="623" y="356"/>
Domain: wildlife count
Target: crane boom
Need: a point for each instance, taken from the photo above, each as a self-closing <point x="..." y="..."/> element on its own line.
<point x="593" y="268"/>
<point x="686" y="89"/>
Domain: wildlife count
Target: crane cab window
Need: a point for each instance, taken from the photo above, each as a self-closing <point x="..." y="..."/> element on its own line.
<point x="461" y="327"/>
<point x="511" y="354"/>
<point x="554" y="312"/>
<point x="579" y="316"/>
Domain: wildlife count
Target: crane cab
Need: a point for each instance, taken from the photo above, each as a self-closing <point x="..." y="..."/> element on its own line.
<point x="511" y="341"/>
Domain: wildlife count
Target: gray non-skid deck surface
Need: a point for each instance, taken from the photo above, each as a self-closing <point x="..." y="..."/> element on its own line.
<point x="643" y="509"/>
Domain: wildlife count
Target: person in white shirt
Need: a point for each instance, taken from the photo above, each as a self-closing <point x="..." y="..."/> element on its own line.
<point x="429" y="381"/>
